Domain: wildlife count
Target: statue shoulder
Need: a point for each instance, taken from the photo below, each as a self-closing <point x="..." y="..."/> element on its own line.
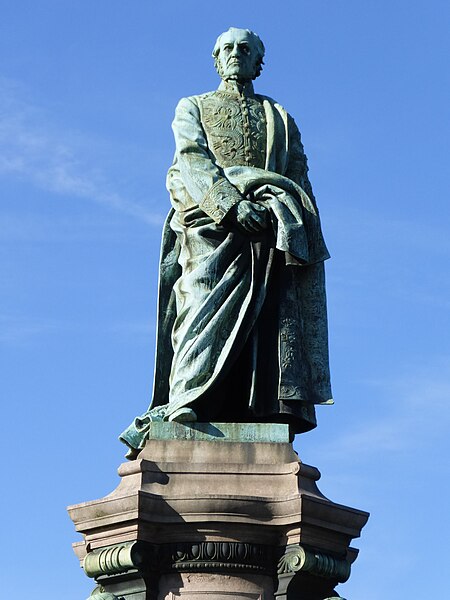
<point x="187" y="119"/>
<point x="193" y="100"/>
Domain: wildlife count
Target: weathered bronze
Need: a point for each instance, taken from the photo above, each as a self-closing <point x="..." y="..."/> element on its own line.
<point x="242" y="326"/>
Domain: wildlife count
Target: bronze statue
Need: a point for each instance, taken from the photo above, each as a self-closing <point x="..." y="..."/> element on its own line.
<point x="242" y="327"/>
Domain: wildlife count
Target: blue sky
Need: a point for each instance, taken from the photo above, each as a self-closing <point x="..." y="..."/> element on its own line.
<point x="87" y="94"/>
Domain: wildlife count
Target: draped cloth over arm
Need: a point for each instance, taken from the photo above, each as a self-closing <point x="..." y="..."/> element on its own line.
<point x="228" y="299"/>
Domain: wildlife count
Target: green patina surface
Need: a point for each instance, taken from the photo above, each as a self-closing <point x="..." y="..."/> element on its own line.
<point x="242" y="325"/>
<point x="220" y="432"/>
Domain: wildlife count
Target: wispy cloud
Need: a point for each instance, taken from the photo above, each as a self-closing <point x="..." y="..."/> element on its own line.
<point x="32" y="148"/>
<point x="385" y="235"/>
<point x="22" y="330"/>
<point x="413" y="411"/>
<point x="19" y="330"/>
<point x="35" y="227"/>
<point x="401" y="260"/>
<point x="136" y="328"/>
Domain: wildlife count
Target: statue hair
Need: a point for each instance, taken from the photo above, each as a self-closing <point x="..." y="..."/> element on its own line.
<point x="259" y="48"/>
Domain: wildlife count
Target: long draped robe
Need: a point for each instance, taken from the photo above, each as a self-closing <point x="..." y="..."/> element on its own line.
<point x="242" y="326"/>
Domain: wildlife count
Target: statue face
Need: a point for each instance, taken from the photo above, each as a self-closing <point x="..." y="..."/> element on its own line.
<point x="238" y="56"/>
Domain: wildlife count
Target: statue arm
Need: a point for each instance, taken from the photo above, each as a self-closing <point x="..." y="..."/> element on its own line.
<point x="297" y="169"/>
<point x="202" y="178"/>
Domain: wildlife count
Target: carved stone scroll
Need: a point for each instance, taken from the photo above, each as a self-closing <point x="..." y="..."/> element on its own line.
<point x="298" y="558"/>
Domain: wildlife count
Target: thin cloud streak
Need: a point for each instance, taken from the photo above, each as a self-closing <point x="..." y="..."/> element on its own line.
<point x="413" y="411"/>
<point x="20" y="330"/>
<point x="387" y="233"/>
<point x="15" y="330"/>
<point x="44" y="228"/>
<point x="145" y="327"/>
<point x="31" y="149"/>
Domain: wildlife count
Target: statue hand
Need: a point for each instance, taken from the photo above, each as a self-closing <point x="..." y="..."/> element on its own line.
<point x="250" y="216"/>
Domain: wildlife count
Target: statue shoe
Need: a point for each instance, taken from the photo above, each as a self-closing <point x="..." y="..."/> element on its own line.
<point x="183" y="415"/>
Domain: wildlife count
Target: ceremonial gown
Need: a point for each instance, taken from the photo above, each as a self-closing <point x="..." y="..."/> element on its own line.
<point x="242" y="325"/>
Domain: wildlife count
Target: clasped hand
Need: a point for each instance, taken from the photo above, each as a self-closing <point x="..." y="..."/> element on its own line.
<point x="250" y="216"/>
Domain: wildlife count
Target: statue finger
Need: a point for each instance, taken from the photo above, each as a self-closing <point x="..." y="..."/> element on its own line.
<point x="260" y="209"/>
<point x="257" y="222"/>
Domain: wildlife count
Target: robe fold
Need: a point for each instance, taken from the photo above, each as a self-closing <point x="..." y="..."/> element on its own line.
<point x="242" y="325"/>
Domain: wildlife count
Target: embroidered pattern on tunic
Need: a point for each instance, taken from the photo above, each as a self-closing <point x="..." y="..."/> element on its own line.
<point x="235" y="128"/>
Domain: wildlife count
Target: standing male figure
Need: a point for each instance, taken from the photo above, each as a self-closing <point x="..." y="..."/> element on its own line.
<point x="242" y="327"/>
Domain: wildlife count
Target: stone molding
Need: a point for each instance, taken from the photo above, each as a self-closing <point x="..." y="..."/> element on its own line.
<point x="190" y="510"/>
<point x="297" y="558"/>
<point x="217" y="556"/>
<point x="100" y="594"/>
<point x="223" y="556"/>
<point x="111" y="560"/>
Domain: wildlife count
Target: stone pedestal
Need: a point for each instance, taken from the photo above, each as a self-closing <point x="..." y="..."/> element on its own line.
<point x="226" y="510"/>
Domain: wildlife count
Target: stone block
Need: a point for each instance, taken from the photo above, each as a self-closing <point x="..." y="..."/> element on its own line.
<point x="220" y="503"/>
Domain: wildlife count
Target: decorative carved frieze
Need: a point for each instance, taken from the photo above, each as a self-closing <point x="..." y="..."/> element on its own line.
<point x="216" y="556"/>
<point x="181" y="557"/>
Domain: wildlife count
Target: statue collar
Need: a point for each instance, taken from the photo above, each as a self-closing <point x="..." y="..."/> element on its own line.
<point x="233" y="87"/>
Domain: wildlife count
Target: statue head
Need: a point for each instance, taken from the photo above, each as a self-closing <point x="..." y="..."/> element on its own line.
<point x="238" y="55"/>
